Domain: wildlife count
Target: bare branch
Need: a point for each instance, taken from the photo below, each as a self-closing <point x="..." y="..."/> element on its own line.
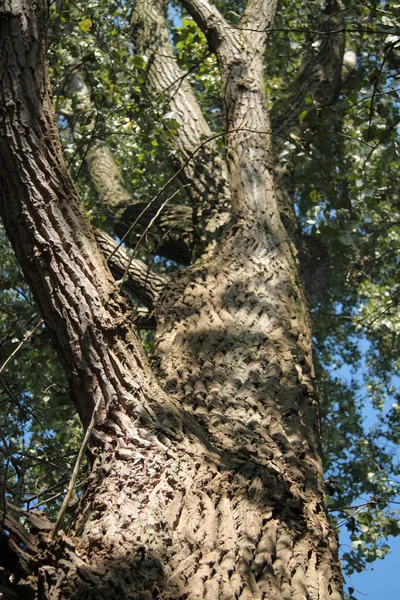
<point x="259" y="15"/>
<point x="89" y="321"/>
<point x="107" y="180"/>
<point x="104" y="172"/>
<point x="174" y="226"/>
<point x="318" y="81"/>
<point x="24" y="340"/>
<point x="121" y="208"/>
<point x="141" y="282"/>
<point x="77" y="466"/>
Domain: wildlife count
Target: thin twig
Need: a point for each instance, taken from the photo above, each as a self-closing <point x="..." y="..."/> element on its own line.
<point x="77" y="466"/>
<point x="35" y="506"/>
<point x="314" y="31"/>
<point x="339" y="525"/>
<point x="45" y="492"/>
<point x="144" y="233"/>
<point x="26" y="337"/>
<point x="187" y="161"/>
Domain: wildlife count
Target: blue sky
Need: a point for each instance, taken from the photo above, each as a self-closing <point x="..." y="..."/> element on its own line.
<point x="381" y="581"/>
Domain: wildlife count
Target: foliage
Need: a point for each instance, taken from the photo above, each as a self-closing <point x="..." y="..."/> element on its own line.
<point x="39" y="428"/>
<point x="347" y="196"/>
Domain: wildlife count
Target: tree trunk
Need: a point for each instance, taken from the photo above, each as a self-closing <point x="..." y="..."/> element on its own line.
<point x="205" y="482"/>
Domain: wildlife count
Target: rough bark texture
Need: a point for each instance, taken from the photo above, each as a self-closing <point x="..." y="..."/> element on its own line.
<point x="320" y="77"/>
<point x="129" y="218"/>
<point x="208" y="486"/>
<point x="235" y="347"/>
<point x="133" y="274"/>
<point x="206" y="172"/>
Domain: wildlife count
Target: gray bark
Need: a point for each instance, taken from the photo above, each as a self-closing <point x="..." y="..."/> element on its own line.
<point x="205" y="482"/>
<point x="320" y="76"/>
<point x="135" y="276"/>
<point x="206" y="172"/>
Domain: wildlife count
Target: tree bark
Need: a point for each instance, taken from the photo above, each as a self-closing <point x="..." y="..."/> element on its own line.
<point x="134" y="275"/>
<point x="206" y="482"/>
<point x="243" y="363"/>
<point x="129" y="219"/>
<point x="319" y="79"/>
<point x="205" y="174"/>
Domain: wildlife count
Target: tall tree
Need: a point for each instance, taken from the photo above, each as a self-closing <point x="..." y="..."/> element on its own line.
<point x="204" y="471"/>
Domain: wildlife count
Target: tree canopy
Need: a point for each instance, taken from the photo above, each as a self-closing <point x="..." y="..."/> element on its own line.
<point x="339" y="151"/>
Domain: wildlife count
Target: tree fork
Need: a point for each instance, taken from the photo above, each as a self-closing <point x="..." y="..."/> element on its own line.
<point x="243" y="363"/>
<point x="127" y="216"/>
<point x="215" y="490"/>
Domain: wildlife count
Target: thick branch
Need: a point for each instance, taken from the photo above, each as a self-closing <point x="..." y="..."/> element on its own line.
<point x="209" y="19"/>
<point x="53" y="240"/>
<point x="107" y="180"/>
<point x="259" y="15"/>
<point x="174" y="226"/>
<point x="241" y="513"/>
<point x="141" y="282"/>
<point x="130" y="219"/>
<point x="318" y="81"/>
<point x="103" y="171"/>
<point x="206" y="172"/>
<point x="320" y="78"/>
<point x="248" y="140"/>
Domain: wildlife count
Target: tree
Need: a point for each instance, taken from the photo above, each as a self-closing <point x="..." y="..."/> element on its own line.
<point x="204" y="470"/>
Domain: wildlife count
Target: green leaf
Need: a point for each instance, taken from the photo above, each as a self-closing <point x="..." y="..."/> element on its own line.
<point x="303" y="115"/>
<point x="308" y="99"/>
<point x="139" y="62"/>
<point x="313" y="195"/>
<point x="85" y="25"/>
<point x="173" y="124"/>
